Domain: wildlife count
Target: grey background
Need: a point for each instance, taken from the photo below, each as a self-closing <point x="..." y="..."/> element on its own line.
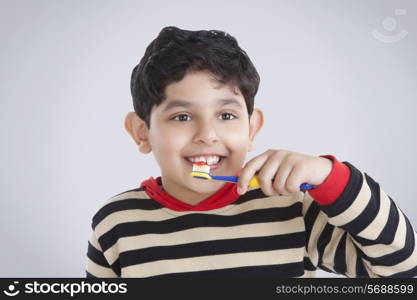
<point x="327" y="87"/>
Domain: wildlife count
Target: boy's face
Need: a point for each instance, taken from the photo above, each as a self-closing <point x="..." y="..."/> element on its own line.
<point x="199" y="117"/>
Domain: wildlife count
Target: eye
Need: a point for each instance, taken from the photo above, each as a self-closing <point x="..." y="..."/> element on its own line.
<point x="228" y="116"/>
<point x="181" y="117"/>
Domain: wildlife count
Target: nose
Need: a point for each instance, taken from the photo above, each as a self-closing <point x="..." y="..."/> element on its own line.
<point x="206" y="133"/>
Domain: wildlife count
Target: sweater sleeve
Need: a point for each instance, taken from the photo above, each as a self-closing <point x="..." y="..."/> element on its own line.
<point x="97" y="264"/>
<point x="361" y="233"/>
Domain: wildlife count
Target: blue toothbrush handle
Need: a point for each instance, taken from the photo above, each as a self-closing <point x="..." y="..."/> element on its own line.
<point x="226" y="178"/>
<point x="303" y="187"/>
<point x="306" y="186"/>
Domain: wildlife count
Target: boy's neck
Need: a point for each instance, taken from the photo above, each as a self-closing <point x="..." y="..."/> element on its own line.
<point x="187" y="196"/>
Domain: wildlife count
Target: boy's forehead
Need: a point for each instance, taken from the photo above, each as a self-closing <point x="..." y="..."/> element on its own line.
<point x="198" y="87"/>
<point x="200" y="80"/>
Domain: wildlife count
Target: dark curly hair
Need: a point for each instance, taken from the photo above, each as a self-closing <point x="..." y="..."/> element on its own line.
<point x="176" y="51"/>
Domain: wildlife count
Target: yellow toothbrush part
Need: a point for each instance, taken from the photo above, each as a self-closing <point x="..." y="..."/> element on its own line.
<point x="254" y="183"/>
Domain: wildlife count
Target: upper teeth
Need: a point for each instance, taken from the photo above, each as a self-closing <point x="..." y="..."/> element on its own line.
<point x="207" y="159"/>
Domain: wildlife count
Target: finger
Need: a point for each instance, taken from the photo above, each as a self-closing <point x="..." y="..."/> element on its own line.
<point x="281" y="178"/>
<point x="294" y="180"/>
<point x="250" y="169"/>
<point x="267" y="173"/>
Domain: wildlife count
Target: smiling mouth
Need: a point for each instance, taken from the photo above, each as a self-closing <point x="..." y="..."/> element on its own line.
<point x="214" y="161"/>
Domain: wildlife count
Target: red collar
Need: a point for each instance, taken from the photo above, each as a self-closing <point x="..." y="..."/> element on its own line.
<point x="226" y="195"/>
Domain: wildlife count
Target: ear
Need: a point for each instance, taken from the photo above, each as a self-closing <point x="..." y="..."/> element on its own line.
<point x="256" y="122"/>
<point x="139" y="131"/>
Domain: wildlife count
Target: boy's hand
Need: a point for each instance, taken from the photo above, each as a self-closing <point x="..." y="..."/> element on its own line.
<point x="282" y="171"/>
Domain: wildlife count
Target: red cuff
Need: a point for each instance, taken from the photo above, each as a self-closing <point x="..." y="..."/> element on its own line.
<point x="332" y="187"/>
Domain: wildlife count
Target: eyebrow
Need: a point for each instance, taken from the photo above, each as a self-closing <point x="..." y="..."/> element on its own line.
<point x="183" y="103"/>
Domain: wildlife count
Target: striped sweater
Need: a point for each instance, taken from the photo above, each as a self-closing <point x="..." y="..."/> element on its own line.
<point x="347" y="226"/>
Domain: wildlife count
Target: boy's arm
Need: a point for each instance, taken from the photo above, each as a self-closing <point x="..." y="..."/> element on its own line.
<point x="97" y="265"/>
<point x="354" y="228"/>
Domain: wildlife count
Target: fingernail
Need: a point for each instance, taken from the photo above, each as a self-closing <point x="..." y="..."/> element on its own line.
<point x="240" y="190"/>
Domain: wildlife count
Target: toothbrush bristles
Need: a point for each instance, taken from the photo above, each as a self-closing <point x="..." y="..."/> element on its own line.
<point x="201" y="167"/>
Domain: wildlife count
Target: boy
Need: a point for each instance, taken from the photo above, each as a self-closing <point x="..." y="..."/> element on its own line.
<point x="193" y="94"/>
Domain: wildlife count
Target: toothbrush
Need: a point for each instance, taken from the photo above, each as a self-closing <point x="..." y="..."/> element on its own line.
<point x="202" y="171"/>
